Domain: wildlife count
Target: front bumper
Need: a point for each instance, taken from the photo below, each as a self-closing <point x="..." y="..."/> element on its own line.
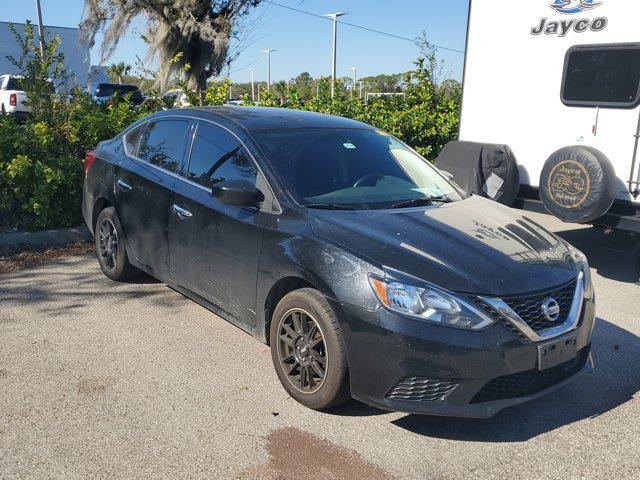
<point x="447" y="371"/>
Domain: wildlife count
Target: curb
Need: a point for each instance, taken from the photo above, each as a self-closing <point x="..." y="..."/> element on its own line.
<point x="45" y="238"/>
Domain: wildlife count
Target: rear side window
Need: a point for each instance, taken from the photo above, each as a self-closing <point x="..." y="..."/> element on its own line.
<point x="162" y="143"/>
<point x="217" y="155"/>
<point x="602" y="76"/>
<point x="132" y="139"/>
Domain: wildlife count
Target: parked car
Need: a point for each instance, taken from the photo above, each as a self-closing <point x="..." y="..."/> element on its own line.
<point x="176" y="98"/>
<point x="368" y="273"/>
<point x="13" y="97"/>
<point x="105" y="92"/>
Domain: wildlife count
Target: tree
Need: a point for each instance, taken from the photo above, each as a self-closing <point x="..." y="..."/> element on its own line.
<point x="41" y="72"/>
<point x="304" y="85"/>
<point x="117" y="71"/>
<point x="195" y="32"/>
<point x="383" y="83"/>
<point x="279" y="90"/>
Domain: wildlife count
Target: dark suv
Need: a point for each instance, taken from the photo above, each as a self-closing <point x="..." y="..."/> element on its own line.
<point x="368" y="273"/>
<point x="106" y="92"/>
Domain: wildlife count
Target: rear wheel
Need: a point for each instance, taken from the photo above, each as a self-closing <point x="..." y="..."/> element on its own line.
<point x="308" y="350"/>
<point x="3" y="110"/>
<point x="110" y="248"/>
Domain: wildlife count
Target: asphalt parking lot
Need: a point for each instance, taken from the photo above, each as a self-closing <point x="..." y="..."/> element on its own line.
<point x="132" y="380"/>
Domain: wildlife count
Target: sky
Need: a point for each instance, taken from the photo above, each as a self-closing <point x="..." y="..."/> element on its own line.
<point x="304" y="42"/>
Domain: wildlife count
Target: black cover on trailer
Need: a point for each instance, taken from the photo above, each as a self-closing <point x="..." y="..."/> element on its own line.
<point x="485" y="169"/>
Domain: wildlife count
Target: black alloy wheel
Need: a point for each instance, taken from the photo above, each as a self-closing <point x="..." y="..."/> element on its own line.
<point x="308" y="351"/>
<point x="110" y="247"/>
<point x="302" y="352"/>
<point x="108" y="243"/>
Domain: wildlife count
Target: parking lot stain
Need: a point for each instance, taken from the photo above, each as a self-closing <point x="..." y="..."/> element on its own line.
<point x="294" y="453"/>
<point x="93" y="386"/>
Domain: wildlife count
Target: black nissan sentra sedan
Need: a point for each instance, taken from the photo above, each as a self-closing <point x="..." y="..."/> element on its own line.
<point x="368" y="272"/>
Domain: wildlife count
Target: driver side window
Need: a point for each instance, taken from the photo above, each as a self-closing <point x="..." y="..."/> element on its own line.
<point x="216" y="156"/>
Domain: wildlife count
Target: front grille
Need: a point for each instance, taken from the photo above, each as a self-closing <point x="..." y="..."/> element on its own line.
<point x="421" y="389"/>
<point x="529" y="308"/>
<point x="531" y="381"/>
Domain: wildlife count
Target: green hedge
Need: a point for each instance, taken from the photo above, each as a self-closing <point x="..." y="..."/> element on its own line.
<point x="41" y="162"/>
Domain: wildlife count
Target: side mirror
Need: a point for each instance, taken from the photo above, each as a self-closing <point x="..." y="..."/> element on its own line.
<point x="239" y="193"/>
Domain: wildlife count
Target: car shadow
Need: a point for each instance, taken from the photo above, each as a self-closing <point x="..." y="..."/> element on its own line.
<point x="143" y="279"/>
<point x="614" y="255"/>
<point x="615" y="381"/>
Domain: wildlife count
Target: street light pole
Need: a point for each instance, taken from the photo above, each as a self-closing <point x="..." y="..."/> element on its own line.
<point x="39" y="13"/>
<point x="334" y="17"/>
<point x="353" y="89"/>
<point x="253" y="90"/>
<point x="268" y="52"/>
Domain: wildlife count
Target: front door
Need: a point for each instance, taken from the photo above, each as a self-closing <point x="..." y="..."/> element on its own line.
<point x="143" y="191"/>
<point x="215" y="248"/>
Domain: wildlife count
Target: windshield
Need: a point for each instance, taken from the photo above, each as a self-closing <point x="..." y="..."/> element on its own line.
<point x="365" y="169"/>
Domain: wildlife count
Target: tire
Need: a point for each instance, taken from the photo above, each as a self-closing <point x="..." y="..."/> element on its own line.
<point x="110" y="249"/>
<point x="578" y="184"/>
<point x="4" y="111"/>
<point x="330" y="390"/>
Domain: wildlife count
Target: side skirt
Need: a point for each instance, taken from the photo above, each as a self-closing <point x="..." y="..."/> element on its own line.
<point x="200" y="301"/>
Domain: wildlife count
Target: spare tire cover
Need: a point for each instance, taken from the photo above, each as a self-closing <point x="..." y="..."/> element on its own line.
<point x="578" y="184"/>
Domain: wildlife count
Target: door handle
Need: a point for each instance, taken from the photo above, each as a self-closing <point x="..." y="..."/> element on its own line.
<point x="124" y="185"/>
<point x="182" y="213"/>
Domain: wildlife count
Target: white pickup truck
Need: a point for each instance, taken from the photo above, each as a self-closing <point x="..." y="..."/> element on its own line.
<point x="12" y="97"/>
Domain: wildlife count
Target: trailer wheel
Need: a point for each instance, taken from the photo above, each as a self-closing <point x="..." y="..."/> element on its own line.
<point x="578" y="184"/>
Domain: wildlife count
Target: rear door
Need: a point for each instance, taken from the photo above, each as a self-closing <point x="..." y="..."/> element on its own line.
<point x="143" y="189"/>
<point x="215" y="247"/>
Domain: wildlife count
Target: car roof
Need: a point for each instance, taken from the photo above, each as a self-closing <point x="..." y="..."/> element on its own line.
<point x="267" y="118"/>
<point x="111" y="84"/>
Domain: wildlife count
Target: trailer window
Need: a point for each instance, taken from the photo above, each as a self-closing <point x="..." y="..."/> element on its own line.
<point x="602" y="76"/>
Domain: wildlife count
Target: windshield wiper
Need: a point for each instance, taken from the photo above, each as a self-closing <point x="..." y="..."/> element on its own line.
<point x="419" y="202"/>
<point x="330" y="206"/>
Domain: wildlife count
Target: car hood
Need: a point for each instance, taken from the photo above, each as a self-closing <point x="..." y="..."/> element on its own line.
<point x="469" y="246"/>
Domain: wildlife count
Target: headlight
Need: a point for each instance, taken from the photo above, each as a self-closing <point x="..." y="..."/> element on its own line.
<point x="428" y="304"/>
<point x="582" y="262"/>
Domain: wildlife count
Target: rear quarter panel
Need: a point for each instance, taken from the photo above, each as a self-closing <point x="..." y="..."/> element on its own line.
<point x="98" y="183"/>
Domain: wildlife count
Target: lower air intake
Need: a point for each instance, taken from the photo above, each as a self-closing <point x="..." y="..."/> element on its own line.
<point x="420" y="389"/>
<point x="531" y="381"/>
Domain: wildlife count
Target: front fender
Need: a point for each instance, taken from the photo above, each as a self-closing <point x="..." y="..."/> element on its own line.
<point x="337" y="274"/>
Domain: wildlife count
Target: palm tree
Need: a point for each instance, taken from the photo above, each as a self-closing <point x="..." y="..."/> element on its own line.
<point x="280" y="90"/>
<point x="183" y="35"/>
<point x="118" y="70"/>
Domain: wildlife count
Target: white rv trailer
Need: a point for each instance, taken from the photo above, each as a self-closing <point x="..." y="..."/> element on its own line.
<point x="543" y="75"/>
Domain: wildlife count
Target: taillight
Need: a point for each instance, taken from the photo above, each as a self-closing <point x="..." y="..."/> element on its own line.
<point x="110" y="102"/>
<point x="13" y="100"/>
<point x="89" y="158"/>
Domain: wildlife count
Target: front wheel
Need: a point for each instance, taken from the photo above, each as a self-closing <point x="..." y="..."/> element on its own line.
<point x="308" y="350"/>
<point x="110" y="248"/>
